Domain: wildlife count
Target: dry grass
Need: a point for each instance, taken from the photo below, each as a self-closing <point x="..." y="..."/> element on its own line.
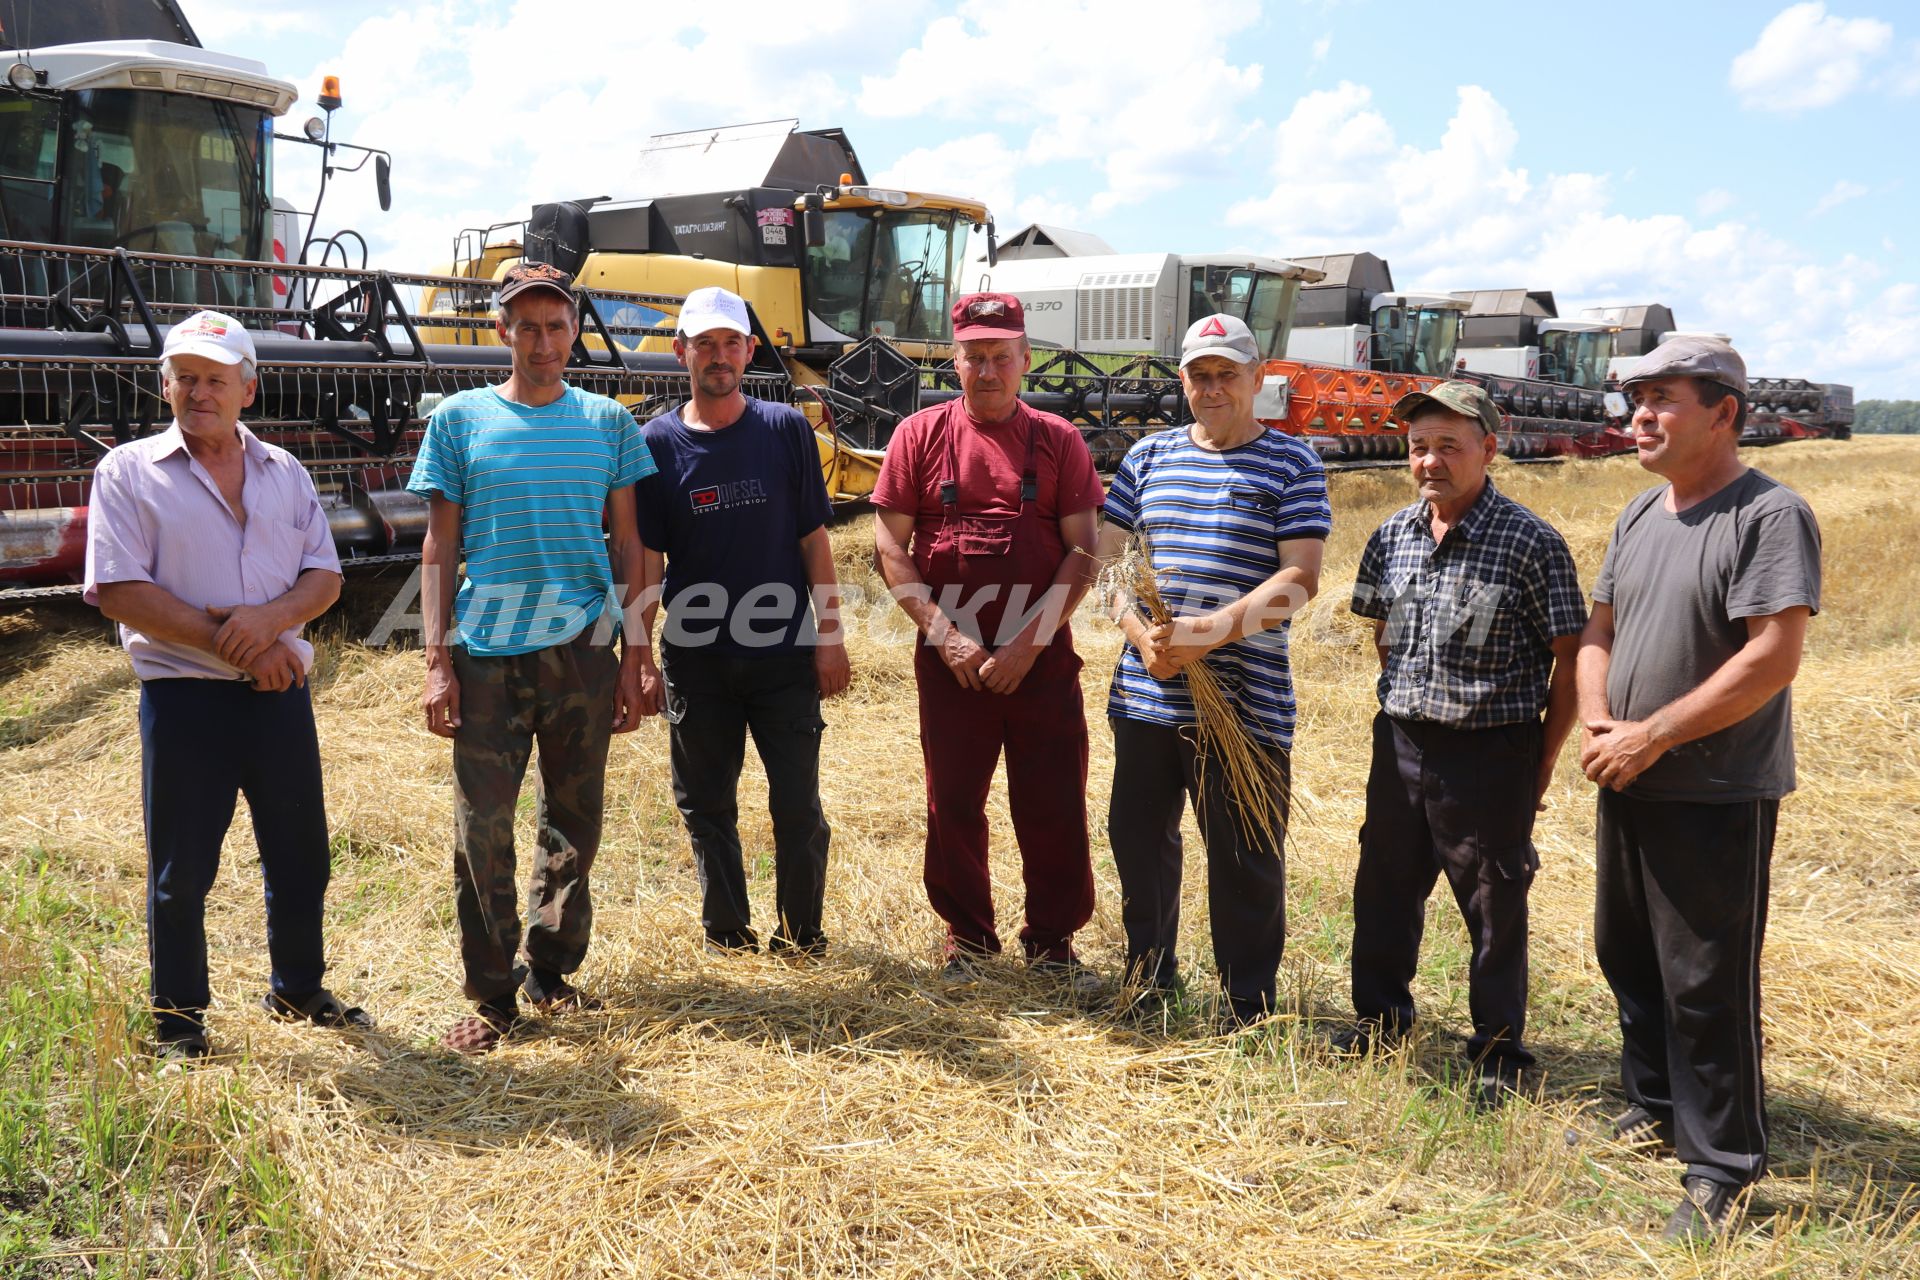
<point x="742" y="1118"/>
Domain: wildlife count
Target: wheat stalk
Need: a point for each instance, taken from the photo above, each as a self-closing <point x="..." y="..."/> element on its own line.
<point x="1255" y="782"/>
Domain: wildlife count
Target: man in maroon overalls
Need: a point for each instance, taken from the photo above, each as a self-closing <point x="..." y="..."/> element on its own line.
<point x="987" y="518"/>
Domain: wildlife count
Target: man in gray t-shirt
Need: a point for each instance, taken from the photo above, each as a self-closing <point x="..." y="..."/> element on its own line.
<point x="1699" y="615"/>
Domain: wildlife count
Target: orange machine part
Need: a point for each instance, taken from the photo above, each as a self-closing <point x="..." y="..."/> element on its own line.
<point x="1326" y="400"/>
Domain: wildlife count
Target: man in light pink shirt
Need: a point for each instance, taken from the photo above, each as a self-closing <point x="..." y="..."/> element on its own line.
<point x="210" y="549"/>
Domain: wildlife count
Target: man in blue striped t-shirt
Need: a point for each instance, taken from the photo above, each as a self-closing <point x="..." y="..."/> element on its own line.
<point x="520" y="478"/>
<point x="1235" y="519"/>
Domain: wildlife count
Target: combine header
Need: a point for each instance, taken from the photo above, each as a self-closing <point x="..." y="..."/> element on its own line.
<point x="135" y="189"/>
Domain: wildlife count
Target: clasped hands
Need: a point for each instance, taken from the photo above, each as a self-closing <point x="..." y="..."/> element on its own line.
<point x="1168" y="648"/>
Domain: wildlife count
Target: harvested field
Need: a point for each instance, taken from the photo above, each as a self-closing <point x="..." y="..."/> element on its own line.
<point x="741" y="1117"/>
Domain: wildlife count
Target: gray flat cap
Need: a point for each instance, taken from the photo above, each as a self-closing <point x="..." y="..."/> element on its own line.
<point x="1693" y="357"/>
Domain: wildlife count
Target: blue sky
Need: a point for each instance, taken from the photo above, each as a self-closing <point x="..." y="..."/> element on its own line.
<point x="1751" y="165"/>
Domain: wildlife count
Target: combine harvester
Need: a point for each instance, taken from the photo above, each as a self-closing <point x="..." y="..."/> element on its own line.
<point x="1778" y="409"/>
<point x="135" y="189"/>
<point x="842" y="275"/>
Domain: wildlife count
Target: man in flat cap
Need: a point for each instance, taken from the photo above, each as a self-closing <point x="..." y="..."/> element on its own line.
<point x="520" y="478"/>
<point x="1477" y="614"/>
<point x="1685" y="673"/>
<point x="985" y="529"/>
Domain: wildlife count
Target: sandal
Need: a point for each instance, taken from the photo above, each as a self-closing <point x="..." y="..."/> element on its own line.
<point x="480" y="1030"/>
<point x="551" y="995"/>
<point x="322" y="1009"/>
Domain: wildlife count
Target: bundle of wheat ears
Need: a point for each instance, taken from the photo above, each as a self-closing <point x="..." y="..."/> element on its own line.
<point x="1253" y="779"/>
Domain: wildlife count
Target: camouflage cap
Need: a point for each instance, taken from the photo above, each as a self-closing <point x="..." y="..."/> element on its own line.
<point x="1693" y="356"/>
<point x="523" y="276"/>
<point x="1469" y="400"/>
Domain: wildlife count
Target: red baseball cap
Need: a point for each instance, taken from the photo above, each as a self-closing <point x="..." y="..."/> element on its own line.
<point x="988" y="315"/>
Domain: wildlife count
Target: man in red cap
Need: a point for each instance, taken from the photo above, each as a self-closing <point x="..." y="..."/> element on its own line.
<point x="987" y="517"/>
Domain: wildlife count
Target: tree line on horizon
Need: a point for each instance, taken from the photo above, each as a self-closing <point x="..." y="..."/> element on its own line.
<point x="1886" y="418"/>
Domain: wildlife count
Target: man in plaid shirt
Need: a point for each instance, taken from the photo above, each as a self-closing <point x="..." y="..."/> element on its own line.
<point x="1477" y="616"/>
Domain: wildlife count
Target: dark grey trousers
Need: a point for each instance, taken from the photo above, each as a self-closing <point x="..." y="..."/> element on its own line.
<point x="1458" y="801"/>
<point x="777" y="699"/>
<point x="1680" y="913"/>
<point x="1153" y="778"/>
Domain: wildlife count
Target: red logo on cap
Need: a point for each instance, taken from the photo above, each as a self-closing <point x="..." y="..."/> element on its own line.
<point x="1213" y="328"/>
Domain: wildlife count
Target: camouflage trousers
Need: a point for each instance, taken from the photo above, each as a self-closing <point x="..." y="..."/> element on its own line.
<point x="562" y="698"/>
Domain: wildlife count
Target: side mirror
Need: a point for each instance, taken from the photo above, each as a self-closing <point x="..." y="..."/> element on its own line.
<point x="813" y="227"/>
<point x="1392" y="318"/>
<point x="1616" y="405"/>
<point x="993" y="246"/>
<point x="383" y="181"/>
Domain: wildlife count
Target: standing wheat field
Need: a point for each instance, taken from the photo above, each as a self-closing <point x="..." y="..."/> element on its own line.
<point x="729" y="1116"/>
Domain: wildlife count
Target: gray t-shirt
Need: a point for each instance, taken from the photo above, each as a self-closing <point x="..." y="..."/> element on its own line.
<point x="1681" y="587"/>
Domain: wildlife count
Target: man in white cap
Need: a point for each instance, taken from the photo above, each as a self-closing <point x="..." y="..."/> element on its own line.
<point x="209" y="547"/>
<point x="734" y="521"/>
<point x="519" y="479"/>
<point x="1685" y="685"/>
<point x="1235" y="518"/>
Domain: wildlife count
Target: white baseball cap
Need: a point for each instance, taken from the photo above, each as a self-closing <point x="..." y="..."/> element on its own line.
<point x="210" y="334"/>
<point x="712" y="308"/>
<point x="1219" y="335"/>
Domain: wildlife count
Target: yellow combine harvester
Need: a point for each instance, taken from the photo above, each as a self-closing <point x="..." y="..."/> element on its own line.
<point x="781" y="215"/>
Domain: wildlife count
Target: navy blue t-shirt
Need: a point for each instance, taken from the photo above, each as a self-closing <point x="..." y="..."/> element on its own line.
<point x="728" y="509"/>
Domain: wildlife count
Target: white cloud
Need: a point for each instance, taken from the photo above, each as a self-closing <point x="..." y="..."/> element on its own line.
<point x="1461" y="214"/>
<point x="479" y="135"/>
<point x="1718" y="200"/>
<point x="1111" y="104"/>
<point x="1904" y="79"/>
<point x="1841" y="192"/>
<point x="1807" y="57"/>
<point x="1321" y="48"/>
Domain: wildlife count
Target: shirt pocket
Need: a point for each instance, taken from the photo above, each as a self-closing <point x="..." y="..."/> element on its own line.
<point x="1251" y="504"/>
<point x="274" y="556"/>
<point x="1480" y="619"/>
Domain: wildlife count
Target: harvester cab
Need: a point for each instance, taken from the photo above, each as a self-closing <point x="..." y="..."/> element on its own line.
<point x="781" y="215"/>
<point x="1518" y="333"/>
<point x="1106" y="303"/>
<point x="1352" y="318"/>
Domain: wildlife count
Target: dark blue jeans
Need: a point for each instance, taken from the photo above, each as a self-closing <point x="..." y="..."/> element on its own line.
<point x="203" y="743"/>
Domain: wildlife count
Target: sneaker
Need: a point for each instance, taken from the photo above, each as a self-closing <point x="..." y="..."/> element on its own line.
<point x="962" y="968"/>
<point x="1237" y="1013"/>
<point x="1704" y="1212"/>
<point x="178" y="1052"/>
<point x="1080" y="982"/>
<point x="787" y="949"/>
<point x="1363" y="1038"/>
<point x="1639" y="1127"/>
<point x="1494" y="1085"/>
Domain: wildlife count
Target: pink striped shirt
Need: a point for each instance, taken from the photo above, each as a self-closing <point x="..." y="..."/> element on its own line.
<point x="157" y="516"/>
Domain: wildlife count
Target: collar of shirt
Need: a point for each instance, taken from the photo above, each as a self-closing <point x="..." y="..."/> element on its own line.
<point x="174" y="440"/>
<point x="1420" y="515"/>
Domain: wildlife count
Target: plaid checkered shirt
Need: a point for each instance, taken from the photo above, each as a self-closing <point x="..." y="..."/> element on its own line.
<point x="1471" y="621"/>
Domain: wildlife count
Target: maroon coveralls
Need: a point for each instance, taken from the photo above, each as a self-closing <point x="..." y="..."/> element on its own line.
<point x="976" y="563"/>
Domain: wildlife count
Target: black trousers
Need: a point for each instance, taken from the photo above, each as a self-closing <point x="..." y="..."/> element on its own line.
<point x="204" y="743"/>
<point x="1459" y="801"/>
<point x="1680" y="914"/>
<point x="1153" y="777"/>
<point x="777" y="700"/>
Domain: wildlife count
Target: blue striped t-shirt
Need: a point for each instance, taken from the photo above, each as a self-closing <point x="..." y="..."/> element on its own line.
<point x="532" y="484"/>
<point x="1214" y="521"/>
